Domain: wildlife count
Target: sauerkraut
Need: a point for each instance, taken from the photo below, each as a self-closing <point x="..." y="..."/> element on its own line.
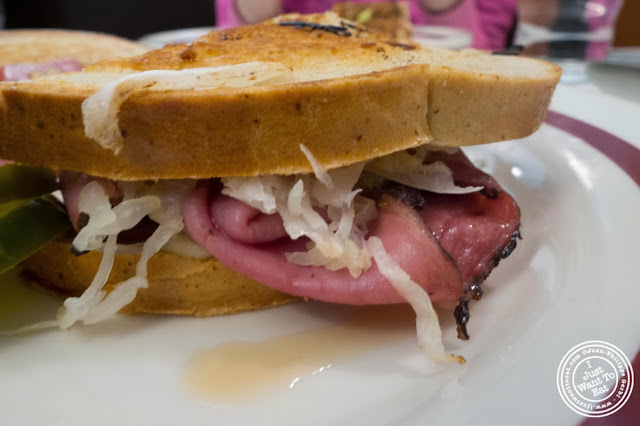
<point x="162" y="202"/>
<point x="100" y="111"/>
<point x="409" y="168"/>
<point x="427" y="325"/>
<point x="326" y="207"/>
<point x="337" y="241"/>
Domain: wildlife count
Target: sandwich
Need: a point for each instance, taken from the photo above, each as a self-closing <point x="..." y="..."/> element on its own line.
<point x="25" y="54"/>
<point x="304" y="157"/>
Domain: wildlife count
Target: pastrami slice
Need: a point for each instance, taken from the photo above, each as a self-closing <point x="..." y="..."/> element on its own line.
<point x="448" y="243"/>
<point x="25" y="71"/>
<point x="402" y="232"/>
<point x="244" y="223"/>
<point x="476" y="229"/>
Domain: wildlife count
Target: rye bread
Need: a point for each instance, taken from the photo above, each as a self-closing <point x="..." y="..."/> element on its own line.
<point x="177" y="284"/>
<point x="357" y="96"/>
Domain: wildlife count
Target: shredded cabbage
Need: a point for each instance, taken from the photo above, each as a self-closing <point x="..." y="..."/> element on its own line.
<point x="427" y="325"/>
<point x="409" y="169"/>
<point x="100" y="111"/>
<point x="105" y="220"/>
<point x="31" y="328"/>
<point x="162" y="202"/>
<point x="181" y="244"/>
<point x="324" y="207"/>
<point x="320" y="172"/>
<point x="336" y="242"/>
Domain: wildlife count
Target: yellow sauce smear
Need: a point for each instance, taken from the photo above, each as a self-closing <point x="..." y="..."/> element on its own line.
<point x="236" y="371"/>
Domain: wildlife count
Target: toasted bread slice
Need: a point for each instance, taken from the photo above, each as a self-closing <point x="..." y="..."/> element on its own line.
<point x="177" y="284"/>
<point x="18" y="46"/>
<point x="348" y="96"/>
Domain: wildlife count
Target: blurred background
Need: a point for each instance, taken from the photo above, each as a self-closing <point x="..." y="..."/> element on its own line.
<point x="627" y="29"/>
<point x="132" y="19"/>
<point x="126" y="18"/>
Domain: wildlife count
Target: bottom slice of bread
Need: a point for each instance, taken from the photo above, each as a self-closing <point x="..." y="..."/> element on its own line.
<point x="177" y="284"/>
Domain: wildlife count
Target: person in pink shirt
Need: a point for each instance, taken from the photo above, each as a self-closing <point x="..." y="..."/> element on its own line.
<point x="490" y="21"/>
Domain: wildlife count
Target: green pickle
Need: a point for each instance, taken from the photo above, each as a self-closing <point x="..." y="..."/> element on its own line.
<point x="27" y="228"/>
<point x="24" y="182"/>
<point x="28" y="220"/>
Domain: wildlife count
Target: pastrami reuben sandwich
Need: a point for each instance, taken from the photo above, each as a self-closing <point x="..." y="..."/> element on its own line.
<point x="26" y="54"/>
<point x="302" y="157"/>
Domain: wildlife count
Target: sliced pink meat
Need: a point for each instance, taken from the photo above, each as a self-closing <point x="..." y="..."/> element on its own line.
<point x="473" y="229"/>
<point x="245" y="224"/>
<point x="448" y="244"/>
<point x="72" y="183"/>
<point x="26" y="71"/>
<point x="476" y="229"/>
<point x="403" y="233"/>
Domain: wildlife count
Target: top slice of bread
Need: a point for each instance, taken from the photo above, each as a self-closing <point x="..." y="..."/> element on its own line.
<point x="19" y="46"/>
<point x="355" y="96"/>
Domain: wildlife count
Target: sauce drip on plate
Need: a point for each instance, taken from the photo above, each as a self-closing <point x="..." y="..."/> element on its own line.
<point x="236" y="371"/>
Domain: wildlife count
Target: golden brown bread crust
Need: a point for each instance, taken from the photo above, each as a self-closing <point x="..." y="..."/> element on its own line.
<point x="177" y="284"/>
<point x="400" y="96"/>
<point x="17" y="46"/>
<point x="227" y="133"/>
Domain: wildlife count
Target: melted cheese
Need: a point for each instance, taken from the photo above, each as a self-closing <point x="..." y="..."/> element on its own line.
<point x="100" y="111"/>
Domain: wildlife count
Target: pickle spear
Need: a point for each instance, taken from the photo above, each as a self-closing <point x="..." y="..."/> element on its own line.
<point x="19" y="182"/>
<point x="25" y="229"/>
<point x="24" y="182"/>
<point x="27" y="218"/>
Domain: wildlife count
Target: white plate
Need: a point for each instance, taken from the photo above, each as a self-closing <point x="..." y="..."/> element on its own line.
<point x="440" y="36"/>
<point x="434" y="36"/>
<point x="573" y="278"/>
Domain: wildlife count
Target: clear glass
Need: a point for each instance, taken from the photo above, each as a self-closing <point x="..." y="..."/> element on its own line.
<point x="569" y="32"/>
